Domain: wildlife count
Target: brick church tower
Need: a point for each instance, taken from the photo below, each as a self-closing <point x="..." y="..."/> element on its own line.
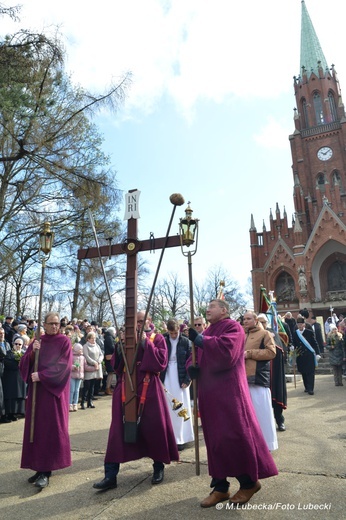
<point x="305" y="264"/>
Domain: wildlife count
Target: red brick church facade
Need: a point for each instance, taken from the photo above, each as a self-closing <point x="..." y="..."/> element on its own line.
<point x="305" y="264"/>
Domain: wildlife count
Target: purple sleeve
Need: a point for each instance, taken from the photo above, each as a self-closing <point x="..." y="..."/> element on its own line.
<point x="155" y="355"/>
<point x="223" y="346"/>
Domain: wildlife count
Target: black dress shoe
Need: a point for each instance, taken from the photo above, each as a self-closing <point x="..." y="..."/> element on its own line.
<point x="5" y="420"/>
<point x="91" y="405"/>
<point x="33" y="479"/>
<point x="282" y="427"/>
<point x="106" y="483"/>
<point x="42" y="481"/>
<point x="157" y="476"/>
<point x="311" y="392"/>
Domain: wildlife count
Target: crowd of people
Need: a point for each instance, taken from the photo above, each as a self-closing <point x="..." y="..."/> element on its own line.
<point x="88" y="379"/>
<point x="66" y="365"/>
<point x="308" y="345"/>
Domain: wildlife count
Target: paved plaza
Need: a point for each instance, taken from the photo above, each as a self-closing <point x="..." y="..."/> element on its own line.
<point x="311" y="460"/>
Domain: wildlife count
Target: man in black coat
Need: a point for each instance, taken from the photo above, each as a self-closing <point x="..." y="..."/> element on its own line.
<point x="109" y="346"/>
<point x="9" y="330"/>
<point x="183" y="351"/>
<point x="277" y="372"/>
<point x="4" y="348"/>
<point x="308" y="353"/>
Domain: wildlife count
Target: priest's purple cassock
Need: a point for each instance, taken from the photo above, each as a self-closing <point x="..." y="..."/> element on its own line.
<point x="155" y="431"/>
<point x="50" y="449"/>
<point x="233" y="438"/>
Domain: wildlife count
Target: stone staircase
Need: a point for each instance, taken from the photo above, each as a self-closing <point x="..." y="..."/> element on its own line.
<point x="322" y="368"/>
<point x="323" y="364"/>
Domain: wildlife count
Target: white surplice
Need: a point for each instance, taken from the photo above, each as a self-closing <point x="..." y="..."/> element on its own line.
<point x="183" y="430"/>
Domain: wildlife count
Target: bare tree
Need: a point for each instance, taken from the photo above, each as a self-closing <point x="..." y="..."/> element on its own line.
<point x="170" y="299"/>
<point x="209" y="289"/>
<point x="51" y="163"/>
<point x="50" y="152"/>
<point x="12" y="12"/>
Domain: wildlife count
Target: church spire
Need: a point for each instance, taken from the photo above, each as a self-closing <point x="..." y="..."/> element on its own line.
<point x="252" y="224"/>
<point x="311" y="54"/>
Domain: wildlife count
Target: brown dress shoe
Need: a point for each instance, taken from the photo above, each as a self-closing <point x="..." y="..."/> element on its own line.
<point x="108" y="391"/>
<point x="214" y="498"/>
<point x="243" y="495"/>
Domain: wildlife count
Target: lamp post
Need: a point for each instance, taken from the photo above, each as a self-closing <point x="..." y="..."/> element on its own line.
<point x="188" y="231"/>
<point x="45" y="247"/>
<point x="44" y="251"/>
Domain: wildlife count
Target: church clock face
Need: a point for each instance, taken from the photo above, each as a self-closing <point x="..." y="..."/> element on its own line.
<point x="324" y="153"/>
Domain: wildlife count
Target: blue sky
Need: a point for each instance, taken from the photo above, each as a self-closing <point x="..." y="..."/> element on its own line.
<point x="209" y="111"/>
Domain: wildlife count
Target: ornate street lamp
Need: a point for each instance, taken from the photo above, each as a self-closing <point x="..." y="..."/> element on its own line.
<point x="46" y="242"/>
<point x="188" y="231"/>
<point x="45" y="247"/>
<point x="188" y="228"/>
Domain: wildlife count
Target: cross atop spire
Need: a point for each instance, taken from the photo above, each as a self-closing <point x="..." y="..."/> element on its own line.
<point x="311" y="54"/>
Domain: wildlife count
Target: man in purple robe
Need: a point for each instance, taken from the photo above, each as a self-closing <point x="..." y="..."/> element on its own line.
<point x="233" y="438"/>
<point x="155" y="436"/>
<point x="50" y="449"/>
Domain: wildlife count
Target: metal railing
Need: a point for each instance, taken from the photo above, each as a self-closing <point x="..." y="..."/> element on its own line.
<point x="321" y="129"/>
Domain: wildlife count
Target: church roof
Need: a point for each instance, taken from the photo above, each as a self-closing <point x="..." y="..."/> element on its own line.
<point x="310" y="49"/>
<point x="338" y="227"/>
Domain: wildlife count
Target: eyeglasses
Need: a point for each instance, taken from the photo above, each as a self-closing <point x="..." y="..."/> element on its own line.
<point x="198" y="324"/>
<point x="20" y="344"/>
<point x="140" y="321"/>
<point x="53" y="324"/>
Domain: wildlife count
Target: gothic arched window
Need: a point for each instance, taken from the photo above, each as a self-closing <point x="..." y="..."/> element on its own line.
<point x="318" y="109"/>
<point x="321" y="179"/>
<point x="332" y="106"/>
<point x="321" y="182"/>
<point x="305" y="114"/>
<point x="336" y="179"/>
<point x="336" y="276"/>
<point x="284" y="288"/>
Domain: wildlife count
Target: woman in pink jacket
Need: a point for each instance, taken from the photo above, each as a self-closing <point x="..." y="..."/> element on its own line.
<point x="77" y="375"/>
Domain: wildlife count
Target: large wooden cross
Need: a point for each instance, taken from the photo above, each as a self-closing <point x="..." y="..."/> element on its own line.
<point x="131" y="247"/>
